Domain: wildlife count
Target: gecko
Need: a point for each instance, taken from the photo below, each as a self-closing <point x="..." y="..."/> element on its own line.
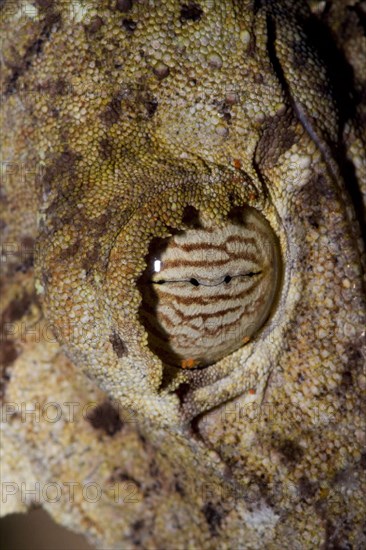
<point x="183" y="261"/>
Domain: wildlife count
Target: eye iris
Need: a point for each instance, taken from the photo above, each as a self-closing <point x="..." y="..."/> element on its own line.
<point x="213" y="290"/>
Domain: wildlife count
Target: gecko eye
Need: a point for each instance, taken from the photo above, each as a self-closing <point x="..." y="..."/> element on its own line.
<point x="207" y="290"/>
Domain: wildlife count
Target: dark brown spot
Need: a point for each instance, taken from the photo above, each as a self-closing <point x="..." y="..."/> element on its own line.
<point x="69" y="252"/>
<point x="129" y="25"/>
<point x="277" y="137"/>
<point x="191" y="12"/>
<point x="62" y="165"/>
<point x="13" y="59"/>
<point x="346" y="379"/>
<point x="154" y="469"/>
<point x="224" y="109"/>
<point x="118" y="345"/>
<point x="16" y="309"/>
<point x="355" y="361"/>
<point x="151" y="106"/>
<point x="138" y="525"/>
<point x="104" y="219"/>
<point x="124" y="5"/>
<point x="142" y="438"/>
<point x="119" y="475"/>
<point x="336" y="535"/>
<point x="95" y="24"/>
<point x="105" y="417"/>
<point x="258" y="78"/>
<point x="313" y="221"/>
<point x="232" y="98"/>
<point x="191" y="217"/>
<point x="300" y="378"/>
<point x="346" y="478"/>
<point x="360" y="12"/>
<point x="252" y="46"/>
<point x="307" y="489"/>
<point x="45" y="4"/>
<point x="106" y="147"/>
<point x="213" y="517"/>
<point x="58" y="215"/>
<point x="179" y="489"/>
<point x="155" y="474"/>
<point x="61" y="87"/>
<point x="28" y="245"/>
<point x="112" y="112"/>
<point x="26" y="254"/>
<point x="92" y="258"/>
<point x="8" y="353"/>
<point x="363" y="461"/>
<point x="290" y="450"/>
<point x="161" y="71"/>
<point x="182" y="391"/>
<point x="300" y="58"/>
<point x="32" y="52"/>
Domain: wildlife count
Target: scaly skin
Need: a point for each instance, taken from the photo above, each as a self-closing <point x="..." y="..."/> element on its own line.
<point x="115" y="118"/>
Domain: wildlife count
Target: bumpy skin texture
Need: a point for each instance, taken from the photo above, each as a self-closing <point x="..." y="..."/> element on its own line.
<point x="116" y="116"/>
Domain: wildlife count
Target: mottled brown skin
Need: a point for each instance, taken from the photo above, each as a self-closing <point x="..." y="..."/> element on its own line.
<point x="116" y="118"/>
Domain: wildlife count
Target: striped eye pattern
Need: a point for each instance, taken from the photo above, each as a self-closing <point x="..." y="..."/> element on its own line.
<point x="207" y="290"/>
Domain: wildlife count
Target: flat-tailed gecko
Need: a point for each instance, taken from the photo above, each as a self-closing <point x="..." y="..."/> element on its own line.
<point x="188" y="179"/>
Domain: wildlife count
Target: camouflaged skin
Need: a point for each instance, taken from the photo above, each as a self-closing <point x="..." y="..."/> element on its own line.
<point x="115" y="116"/>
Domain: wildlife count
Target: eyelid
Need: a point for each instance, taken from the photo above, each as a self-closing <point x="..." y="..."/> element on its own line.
<point x="210" y="289"/>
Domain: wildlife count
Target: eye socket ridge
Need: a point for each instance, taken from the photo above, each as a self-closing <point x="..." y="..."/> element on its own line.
<point x="195" y="282"/>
